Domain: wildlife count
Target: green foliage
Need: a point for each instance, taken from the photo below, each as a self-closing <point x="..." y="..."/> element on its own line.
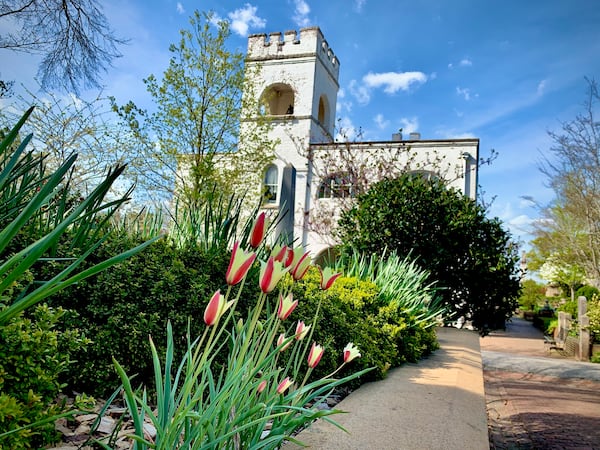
<point x="30" y="200"/>
<point x="121" y="307"/>
<point x="593" y="312"/>
<point x="569" y="229"/>
<point x="34" y="352"/>
<point x="46" y="235"/>
<point x="588" y="292"/>
<point x="570" y="306"/>
<point x="352" y="311"/>
<point x="532" y="295"/>
<point x="401" y="282"/>
<point x="472" y="258"/>
<point x="196" y="123"/>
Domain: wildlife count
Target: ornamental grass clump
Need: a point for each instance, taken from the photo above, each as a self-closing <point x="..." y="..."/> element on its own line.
<point x="264" y="393"/>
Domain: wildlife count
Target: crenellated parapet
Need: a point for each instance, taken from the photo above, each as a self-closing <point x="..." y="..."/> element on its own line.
<point x="291" y="44"/>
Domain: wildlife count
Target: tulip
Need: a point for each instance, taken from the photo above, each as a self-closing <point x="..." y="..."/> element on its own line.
<point x="301" y="330"/>
<point x="286" y="306"/>
<point x="327" y="277"/>
<point x="281" y="340"/>
<point x="316" y="351"/>
<point x="301" y="266"/>
<point x="258" y="231"/>
<point x="239" y="264"/>
<point x="285" y="383"/>
<point x="270" y="274"/>
<point x="215" y="308"/>
<point x="261" y="387"/>
<point x="350" y="352"/>
<point x="284" y="254"/>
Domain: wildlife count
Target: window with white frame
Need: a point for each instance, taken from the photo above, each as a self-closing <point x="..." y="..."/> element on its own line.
<point x="270" y="185"/>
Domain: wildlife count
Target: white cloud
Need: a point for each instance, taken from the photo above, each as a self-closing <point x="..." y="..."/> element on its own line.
<point x="346" y="130"/>
<point x="381" y="122"/>
<point x="409" y="125"/>
<point x="541" y="88"/>
<point x="301" y="12"/>
<point x="466" y="62"/>
<point x="180" y="8"/>
<point x="341" y="104"/>
<point x="450" y="65"/>
<point x="358" y="5"/>
<point x="394" y="81"/>
<point x="244" y="18"/>
<point x="361" y="93"/>
<point x="465" y="93"/>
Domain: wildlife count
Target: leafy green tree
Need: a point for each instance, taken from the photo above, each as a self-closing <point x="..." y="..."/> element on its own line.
<point x="191" y="141"/>
<point x="472" y="258"/>
<point x="532" y="294"/>
<point x="570" y="231"/>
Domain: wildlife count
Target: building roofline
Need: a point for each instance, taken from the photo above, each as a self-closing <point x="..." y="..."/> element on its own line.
<point x="403" y="141"/>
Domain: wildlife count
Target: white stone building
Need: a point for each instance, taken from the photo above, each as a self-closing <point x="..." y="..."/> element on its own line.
<point x="297" y="79"/>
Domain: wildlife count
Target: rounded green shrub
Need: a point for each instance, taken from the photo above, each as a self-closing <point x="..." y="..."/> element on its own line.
<point x="34" y="352"/>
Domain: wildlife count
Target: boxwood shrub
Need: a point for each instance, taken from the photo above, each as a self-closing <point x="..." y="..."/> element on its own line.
<point x="122" y="306"/>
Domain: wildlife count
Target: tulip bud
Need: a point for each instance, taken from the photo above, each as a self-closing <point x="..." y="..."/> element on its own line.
<point x="301" y="266"/>
<point x="261" y="387"/>
<point x="281" y="340"/>
<point x="327" y="277"/>
<point x="215" y="308"/>
<point x="316" y="352"/>
<point x="350" y="352"/>
<point x="239" y="264"/>
<point x="285" y="255"/>
<point x="301" y="330"/>
<point x="286" y="306"/>
<point x="271" y="272"/>
<point x="258" y="230"/>
<point x="285" y="383"/>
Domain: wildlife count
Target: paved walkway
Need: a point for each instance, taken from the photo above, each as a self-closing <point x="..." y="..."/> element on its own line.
<point x="436" y="404"/>
<point x="536" y="399"/>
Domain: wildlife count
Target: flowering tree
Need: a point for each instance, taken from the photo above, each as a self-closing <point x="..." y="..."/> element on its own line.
<point x="555" y="270"/>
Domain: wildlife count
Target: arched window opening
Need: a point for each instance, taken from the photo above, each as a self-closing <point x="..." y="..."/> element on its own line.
<point x="278" y="100"/>
<point x="323" y="112"/>
<point x="270" y="185"/>
<point x="337" y="186"/>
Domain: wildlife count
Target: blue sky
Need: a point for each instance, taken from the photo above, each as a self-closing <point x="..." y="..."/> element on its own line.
<point x="505" y="72"/>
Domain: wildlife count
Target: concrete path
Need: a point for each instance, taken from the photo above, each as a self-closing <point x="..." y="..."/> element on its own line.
<point x="538" y="399"/>
<point x="436" y="404"/>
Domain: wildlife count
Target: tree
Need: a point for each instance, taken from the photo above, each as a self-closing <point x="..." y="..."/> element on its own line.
<point x="555" y="270"/>
<point x="470" y="256"/>
<point x="532" y="294"/>
<point x="65" y="125"/>
<point x="73" y="37"/>
<point x="190" y="142"/>
<point x="570" y="229"/>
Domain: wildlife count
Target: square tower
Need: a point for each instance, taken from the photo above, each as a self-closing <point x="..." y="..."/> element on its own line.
<point x="295" y="76"/>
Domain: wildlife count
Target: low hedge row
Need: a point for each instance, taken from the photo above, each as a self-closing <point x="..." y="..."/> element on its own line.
<point x="120" y="307"/>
